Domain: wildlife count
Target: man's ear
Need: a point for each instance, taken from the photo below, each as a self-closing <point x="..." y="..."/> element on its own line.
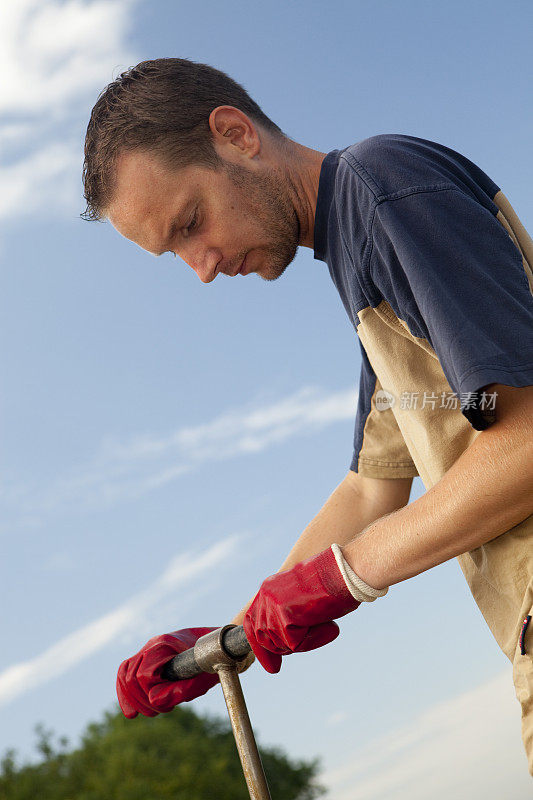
<point x="234" y="134"/>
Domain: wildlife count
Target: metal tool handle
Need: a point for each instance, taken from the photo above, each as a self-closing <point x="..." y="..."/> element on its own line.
<point x="184" y="665"/>
<point x="252" y="767"/>
<point x="223" y="651"/>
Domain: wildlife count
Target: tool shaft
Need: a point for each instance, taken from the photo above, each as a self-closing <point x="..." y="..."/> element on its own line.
<point x="243" y="733"/>
<point x="224" y="651"/>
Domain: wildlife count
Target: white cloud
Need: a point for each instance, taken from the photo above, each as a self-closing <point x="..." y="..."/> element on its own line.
<point x="86" y="641"/>
<point x="337" y="717"/>
<point x="127" y="470"/>
<point x="28" y="181"/>
<point x="51" y="51"/>
<point x="14" y="133"/>
<point x="467" y="747"/>
<point x="242" y="430"/>
<point x="55" y="58"/>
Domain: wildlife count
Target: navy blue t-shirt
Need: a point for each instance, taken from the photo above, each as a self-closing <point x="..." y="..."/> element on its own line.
<point x="413" y="223"/>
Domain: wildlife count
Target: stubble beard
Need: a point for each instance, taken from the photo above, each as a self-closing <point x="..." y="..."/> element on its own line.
<point x="269" y="205"/>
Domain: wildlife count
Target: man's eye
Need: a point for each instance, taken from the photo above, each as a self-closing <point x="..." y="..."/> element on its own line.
<point x="192" y="224"/>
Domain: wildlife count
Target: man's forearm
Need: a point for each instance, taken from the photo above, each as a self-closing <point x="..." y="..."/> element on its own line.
<point x="355" y="503"/>
<point x="487" y="491"/>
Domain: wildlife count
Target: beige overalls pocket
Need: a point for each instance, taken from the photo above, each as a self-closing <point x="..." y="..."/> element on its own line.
<point x="523" y="682"/>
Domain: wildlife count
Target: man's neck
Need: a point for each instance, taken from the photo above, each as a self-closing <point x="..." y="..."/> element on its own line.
<point x="303" y="167"/>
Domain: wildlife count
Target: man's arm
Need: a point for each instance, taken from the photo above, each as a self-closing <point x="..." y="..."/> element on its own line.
<point x="356" y="503"/>
<point x="487" y="491"/>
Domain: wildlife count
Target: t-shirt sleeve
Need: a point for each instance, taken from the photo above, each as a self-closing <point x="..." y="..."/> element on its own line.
<point x="452" y="273"/>
<point x="379" y="447"/>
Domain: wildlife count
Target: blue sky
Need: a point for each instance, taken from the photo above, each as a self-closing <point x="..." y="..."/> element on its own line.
<point x="164" y="442"/>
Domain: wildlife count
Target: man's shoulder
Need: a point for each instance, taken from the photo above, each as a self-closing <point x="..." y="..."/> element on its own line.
<point x="372" y="170"/>
<point x="394" y="162"/>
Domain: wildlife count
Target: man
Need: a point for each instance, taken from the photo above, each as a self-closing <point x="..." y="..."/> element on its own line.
<point x="434" y="270"/>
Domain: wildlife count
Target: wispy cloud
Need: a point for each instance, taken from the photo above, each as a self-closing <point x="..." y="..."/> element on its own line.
<point x="454" y="749"/>
<point x="27" y="181"/>
<point x="336" y="718"/>
<point x="51" y="50"/>
<point x="65" y="654"/>
<point x="125" y="470"/>
<point x="55" y="57"/>
<point x="242" y="430"/>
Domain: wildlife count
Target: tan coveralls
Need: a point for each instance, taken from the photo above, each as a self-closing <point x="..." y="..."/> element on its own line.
<point x="421" y="441"/>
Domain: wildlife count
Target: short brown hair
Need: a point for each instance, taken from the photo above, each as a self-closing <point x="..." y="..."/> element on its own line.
<point x="162" y="106"/>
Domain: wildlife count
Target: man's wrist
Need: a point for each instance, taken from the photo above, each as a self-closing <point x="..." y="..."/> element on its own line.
<point x="357" y="587"/>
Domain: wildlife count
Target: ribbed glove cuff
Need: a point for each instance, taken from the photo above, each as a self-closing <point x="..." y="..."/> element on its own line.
<point x="360" y="590"/>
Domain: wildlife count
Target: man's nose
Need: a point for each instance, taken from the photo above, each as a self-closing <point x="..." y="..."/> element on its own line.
<point x="205" y="263"/>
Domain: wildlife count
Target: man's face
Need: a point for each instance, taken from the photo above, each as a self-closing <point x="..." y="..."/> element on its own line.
<point x="232" y="220"/>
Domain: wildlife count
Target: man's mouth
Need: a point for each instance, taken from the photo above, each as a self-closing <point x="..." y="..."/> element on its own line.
<point x="241" y="270"/>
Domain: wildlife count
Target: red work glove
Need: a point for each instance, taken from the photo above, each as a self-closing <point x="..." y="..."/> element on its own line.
<point x="293" y="610"/>
<point x="140" y="687"/>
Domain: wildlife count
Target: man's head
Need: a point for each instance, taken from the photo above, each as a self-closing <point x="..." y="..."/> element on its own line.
<point x="181" y="159"/>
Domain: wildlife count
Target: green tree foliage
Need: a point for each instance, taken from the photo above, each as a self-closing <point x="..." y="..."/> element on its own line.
<point x="181" y="755"/>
